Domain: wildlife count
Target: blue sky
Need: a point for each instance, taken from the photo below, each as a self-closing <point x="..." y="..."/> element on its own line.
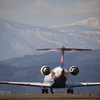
<point x="49" y="12"/>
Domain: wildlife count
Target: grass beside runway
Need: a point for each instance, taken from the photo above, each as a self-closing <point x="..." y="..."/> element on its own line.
<point x="50" y="97"/>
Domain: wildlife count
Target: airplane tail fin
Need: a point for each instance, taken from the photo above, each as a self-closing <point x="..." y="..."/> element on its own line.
<point x="63" y="49"/>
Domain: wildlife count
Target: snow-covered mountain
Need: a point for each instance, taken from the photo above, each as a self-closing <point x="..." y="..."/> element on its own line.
<point x="90" y="22"/>
<point x="19" y="39"/>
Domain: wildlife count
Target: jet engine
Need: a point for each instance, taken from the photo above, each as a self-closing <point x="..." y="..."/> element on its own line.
<point x="45" y="70"/>
<point x="74" y="70"/>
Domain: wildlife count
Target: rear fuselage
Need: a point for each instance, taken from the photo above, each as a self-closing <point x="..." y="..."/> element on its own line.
<point x="59" y="76"/>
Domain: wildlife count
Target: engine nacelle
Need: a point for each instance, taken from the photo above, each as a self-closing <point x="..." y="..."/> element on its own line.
<point x="74" y="70"/>
<point x="45" y="70"/>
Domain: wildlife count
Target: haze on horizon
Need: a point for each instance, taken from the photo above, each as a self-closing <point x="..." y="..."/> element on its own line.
<point x="49" y="12"/>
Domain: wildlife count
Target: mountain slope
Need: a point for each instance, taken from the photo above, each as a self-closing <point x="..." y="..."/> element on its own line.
<point x="19" y="39"/>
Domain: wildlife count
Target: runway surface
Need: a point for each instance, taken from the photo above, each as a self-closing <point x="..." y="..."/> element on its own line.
<point x="50" y="97"/>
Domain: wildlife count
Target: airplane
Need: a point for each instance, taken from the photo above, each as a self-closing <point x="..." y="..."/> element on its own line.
<point x="57" y="78"/>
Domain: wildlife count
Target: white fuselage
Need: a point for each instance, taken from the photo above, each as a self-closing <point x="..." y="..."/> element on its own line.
<point x="59" y="76"/>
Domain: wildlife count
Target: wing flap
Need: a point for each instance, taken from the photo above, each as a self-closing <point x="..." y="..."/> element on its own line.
<point x="82" y="84"/>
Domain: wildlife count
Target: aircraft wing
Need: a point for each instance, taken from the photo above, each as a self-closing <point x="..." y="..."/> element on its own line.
<point x="82" y="84"/>
<point x="36" y="84"/>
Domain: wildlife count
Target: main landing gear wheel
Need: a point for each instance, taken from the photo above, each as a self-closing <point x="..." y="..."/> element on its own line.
<point x="51" y="91"/>
<point x="70" y="91"/>
<point x="44" y="91"/>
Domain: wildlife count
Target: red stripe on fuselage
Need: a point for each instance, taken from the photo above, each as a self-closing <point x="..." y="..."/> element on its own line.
<point x="64" y="78"/>
<point x="59" y="82"/>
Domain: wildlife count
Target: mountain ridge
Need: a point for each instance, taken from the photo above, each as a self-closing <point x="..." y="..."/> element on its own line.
<point x="94" y="22"/>
<point x="21" y="39"/>
<point x="54" y="57"/>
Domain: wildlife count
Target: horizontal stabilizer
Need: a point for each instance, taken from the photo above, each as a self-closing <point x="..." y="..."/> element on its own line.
<point x="64" y="49"/>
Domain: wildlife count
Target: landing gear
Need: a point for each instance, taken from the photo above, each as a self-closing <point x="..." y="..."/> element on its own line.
<point x="70" y="91"/>
<point x="46" y="91"/>
<point x="51" y="91"/>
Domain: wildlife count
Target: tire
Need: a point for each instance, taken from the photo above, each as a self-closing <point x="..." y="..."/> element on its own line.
<point x="72" y="91"/>
<point x="42" y="91"/>
<point x="46" y="91"/>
